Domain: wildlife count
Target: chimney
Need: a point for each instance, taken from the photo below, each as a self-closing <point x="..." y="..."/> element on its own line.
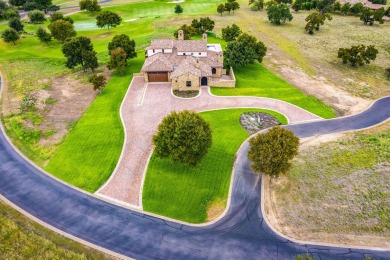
<point x="204" y="37"/>
<point x="180" y="35"/>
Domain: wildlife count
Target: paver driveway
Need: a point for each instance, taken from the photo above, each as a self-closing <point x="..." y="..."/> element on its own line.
<point x="142" y="111"/>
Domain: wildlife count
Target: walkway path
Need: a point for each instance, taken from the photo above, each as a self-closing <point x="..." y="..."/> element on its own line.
<point x="241" y="234"/>
<point x="142" y="111"/>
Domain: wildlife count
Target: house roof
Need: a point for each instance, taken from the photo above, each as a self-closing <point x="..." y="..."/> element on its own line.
<point x="191" y="45"/>
<point x="186" y="67"/>
<point x="365" y="3"/>
<point x="157" y="62"/>
<point x="162" y="44"/>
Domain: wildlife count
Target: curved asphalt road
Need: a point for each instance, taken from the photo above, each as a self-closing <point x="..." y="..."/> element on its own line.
<point x="240" y="234"/>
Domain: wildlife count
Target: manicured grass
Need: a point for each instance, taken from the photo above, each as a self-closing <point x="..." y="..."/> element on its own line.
<point x="256" y="80"/>
<point x="183" y="192"/>
<point x="22" y="238"/>
<point x="90" y="152"/>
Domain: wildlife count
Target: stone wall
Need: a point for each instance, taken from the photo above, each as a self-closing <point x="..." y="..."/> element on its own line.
<point x="179" y="83"/>
<point x="225" y="83"/>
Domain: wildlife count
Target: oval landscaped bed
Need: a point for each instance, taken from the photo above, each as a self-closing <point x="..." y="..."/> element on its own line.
<point x="254" y="122"/>
<point x="186" y="94"/>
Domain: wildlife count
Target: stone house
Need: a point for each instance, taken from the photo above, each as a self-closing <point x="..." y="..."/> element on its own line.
<point x="187" y="64"/>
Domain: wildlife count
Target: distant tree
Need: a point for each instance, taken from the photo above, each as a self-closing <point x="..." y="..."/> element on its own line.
<point x="53" y="8"/>
<point x="238" y="55"/>
<point x="228" y="7"/>
<point x="29" y="6"/>
<point x="325" y="6"/>
<point x="271" y="152"/>
<point x="230" y="33"/>
<point x="337" y="6"/>
<point x="387" y="13"/>
<point x="203" y="25"/>
<point x="43" y="4"/>
<point x="258" y="46"/>
<point x="178" y="9"/>
<point x="11" y="14"/>
<point x="345" y="8"/>
<point x="369" y="16"/>
<point x="98" y="81"/>
<point x="90" y="5"/>
<point x="117" y="60"/>
<point x="183" y="137"/>
<point x="297" y="5"/>
<point x="16" y="24"/>
<point x="10" y="35"/>
<point x="60" y="16"/>
<point x="357" y="8"/>
<point x="358" y="55"/>
<point x="269" y="4"/>
<point x="123" y="41"/>
<point x="221" y="9"/>
<point x="278" y="14"/>
<point x="257" y="4"/>
<point x="284" y="1"/>
<point x="62" y="30"/>
<point x="17" y="2"/>
<point x="36" y="16"/>
<point x="44" y="36"/>
<point x="388" y="72"/>
<point x="315" y="20"/>
<point x="188" y="31"/>
<point x="108" y="18"/>
<point x="79" y="51"/>
<point x="235" y="6"/>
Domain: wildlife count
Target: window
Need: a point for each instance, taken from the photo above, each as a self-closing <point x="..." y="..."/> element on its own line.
<point x="188" y="83"/>
<point x="184" y="54"/>
<point x="192" y="53"/>
<point x="200" y="53"/>
<point x="153" y="50"/>
<point x="162" y="50"/>
<point x="214" y="71"/>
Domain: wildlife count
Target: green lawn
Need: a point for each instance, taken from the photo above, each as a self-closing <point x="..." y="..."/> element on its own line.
<point x="182" y="192"/>
<point x="90" y="152"/>
<point x="256" y="80"/>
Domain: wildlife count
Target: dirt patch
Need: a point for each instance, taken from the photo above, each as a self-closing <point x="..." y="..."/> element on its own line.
<point x="336" y="191"/>
<point x="215" y="209"/>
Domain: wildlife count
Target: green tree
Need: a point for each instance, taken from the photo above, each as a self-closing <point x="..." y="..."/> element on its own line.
<point x="16" y="24"/>
<point x="257" y="4"/>
<point x="43" y="4"/>
<point x="17" y="2"/>
<point x="123" y="41"/>
<point x="337" y="6"/>
<point x="188" y="31"/>
<point x="10" y="35"/>
<point x="108" y="18"/>
<point x="378" y="15"/>
<point x="315" y="20"/>
<point x="228" y="7"/>
<point x="258" y="46"/>
<point x="178" y="9"/>
<point x="357" y="8"/>
<point x="345" y="8"/>
<point x="271" y="152"/>
<point x="358" y="55"/>
<point x="44" y="36"/>
<point x="278" y="14"/>
<point x="62" y="30"/>
<point x="221" y="9"/>
<point x="203" y="25"/>
<point x="79" y="51"/>
<point x="117" y="60"/>
<point x="235" y="6"/>
<point x="297" y="5"/>
<point x="36" y="16"/>
<point x="387" y="13"/>
<point x="90" y="5"/>
<point x="11" y="14"/>
<point x="183" y="137"/>
<point x="60" y="16"/>
<point x="238" y="54"/>
<point x="29" y="6"/>
<point x="284" y="1"/>
<point x="98" y="81"/>
<point x="230" y="33"/>
<point x="369" y="16"/>
<point x="325" y="6"/>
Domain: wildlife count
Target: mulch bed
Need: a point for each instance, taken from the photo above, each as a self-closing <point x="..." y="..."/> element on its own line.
<point x="186" y="94"/>
<point x="254" y="122"/>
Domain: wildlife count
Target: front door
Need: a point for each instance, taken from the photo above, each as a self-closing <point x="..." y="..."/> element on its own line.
<point x="203" y="81"/>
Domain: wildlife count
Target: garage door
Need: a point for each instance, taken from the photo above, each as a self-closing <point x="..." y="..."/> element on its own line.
<point x="158" y="76"/>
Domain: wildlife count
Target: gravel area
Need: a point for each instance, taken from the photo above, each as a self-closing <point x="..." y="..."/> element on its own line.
<point x="254" y="122"/>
